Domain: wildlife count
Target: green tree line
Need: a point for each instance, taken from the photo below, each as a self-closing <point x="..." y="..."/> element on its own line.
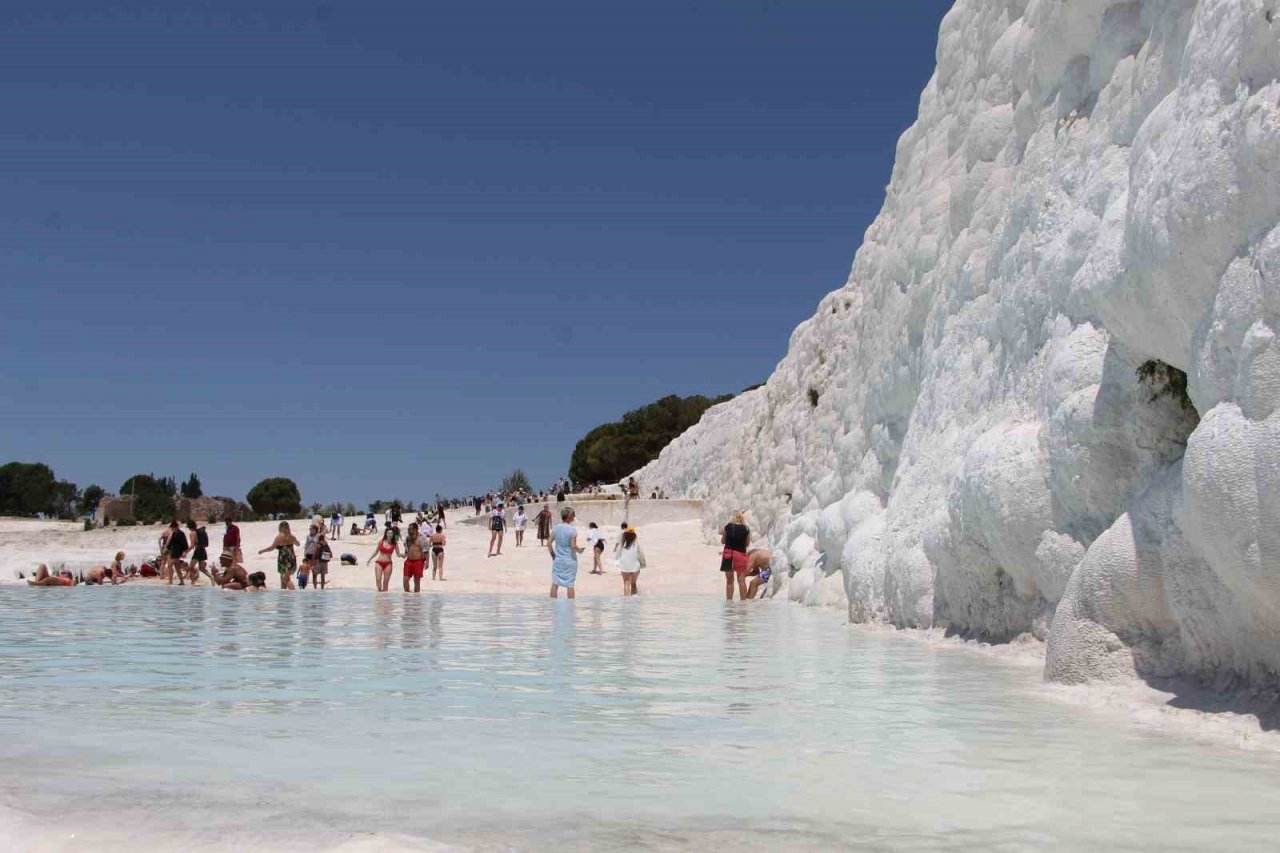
<point x="612" y="451"/>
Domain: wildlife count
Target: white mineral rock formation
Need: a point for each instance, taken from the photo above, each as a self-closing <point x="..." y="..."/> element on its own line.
<point x="959" y="437"/>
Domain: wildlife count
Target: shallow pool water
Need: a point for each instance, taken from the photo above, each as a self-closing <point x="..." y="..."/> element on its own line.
<point x="139" y="718"/>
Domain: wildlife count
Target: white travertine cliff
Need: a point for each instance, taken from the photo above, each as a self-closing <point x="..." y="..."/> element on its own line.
<point x="959" y="437"/>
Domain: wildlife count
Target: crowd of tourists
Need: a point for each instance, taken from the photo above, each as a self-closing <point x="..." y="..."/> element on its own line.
<point x="184" y="550"/>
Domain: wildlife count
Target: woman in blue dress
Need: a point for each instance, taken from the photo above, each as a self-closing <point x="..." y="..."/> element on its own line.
<point x="564" y="551"/>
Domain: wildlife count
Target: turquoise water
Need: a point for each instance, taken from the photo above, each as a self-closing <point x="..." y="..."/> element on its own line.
<point x="155" y="718"/>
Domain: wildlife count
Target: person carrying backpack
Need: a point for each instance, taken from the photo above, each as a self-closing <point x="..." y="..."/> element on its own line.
<point x="200" y="556"/>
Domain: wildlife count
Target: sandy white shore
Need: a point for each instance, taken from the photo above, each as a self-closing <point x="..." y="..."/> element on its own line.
<point x="679" y="561"/>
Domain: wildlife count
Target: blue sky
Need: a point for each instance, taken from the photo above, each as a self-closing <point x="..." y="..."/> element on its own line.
<point x="395" y="249"/>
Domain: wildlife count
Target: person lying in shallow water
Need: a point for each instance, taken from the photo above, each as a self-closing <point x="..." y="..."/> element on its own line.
<point x="46" y="578"/>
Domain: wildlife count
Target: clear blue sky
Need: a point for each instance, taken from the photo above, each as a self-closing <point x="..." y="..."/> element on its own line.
<point x="395" y="249"/>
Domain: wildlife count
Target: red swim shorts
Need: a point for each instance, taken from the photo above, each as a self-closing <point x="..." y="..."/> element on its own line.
<point x="733" y="560"/>
<point x="413" y="568"/>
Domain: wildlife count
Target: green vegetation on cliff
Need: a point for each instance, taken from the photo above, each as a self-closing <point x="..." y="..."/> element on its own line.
<point x="612" y="451"/>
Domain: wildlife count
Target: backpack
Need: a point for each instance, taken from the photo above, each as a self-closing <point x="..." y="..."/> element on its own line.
<point x="202" y="538"/>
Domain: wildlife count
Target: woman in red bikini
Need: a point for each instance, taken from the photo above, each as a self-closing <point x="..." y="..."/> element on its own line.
<point x="386" y="548"/>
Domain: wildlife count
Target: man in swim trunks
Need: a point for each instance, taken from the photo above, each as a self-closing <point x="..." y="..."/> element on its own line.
<point x="414" y="558"/>
<point x="45" y="578"/>
<point x="99" y="575"/>
<point x="759" y="569"/>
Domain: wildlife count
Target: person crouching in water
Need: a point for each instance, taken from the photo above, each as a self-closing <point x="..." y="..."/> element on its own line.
<point x="114" y="573"/>
<point x="414" y="559"/>
<point x="759" y="569"/>
<point x="630" y="562"/>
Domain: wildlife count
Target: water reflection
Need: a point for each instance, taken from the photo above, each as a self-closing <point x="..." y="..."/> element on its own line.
<point x="494" y="719"/>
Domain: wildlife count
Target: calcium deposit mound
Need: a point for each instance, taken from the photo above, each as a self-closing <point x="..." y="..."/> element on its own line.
<point x="1045" y="401"/>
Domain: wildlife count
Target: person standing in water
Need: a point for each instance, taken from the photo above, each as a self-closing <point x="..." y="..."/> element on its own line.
<point x="437" y="553"/>
<point x="231" y="553"/>
<point x="320" y="571"/>
<point x="544" y="524"/>
<point x="630" y="562"/>
<point x="200" y="553"/>
<point x="596" y="538"/>
<point x="310" y="553"/>
<point x="617" y="550"/>
<point x="735" y="537"/>
<point x="497" y="529"/>
<point x="175" y="547"/>
<point x="414" y="558"/>
<point x="759" y="569"/>
<point x="564" y="551"/>
<point x="521" y="522"/>
<point x="387" y="547"/>
<point x="286" y="557"/>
